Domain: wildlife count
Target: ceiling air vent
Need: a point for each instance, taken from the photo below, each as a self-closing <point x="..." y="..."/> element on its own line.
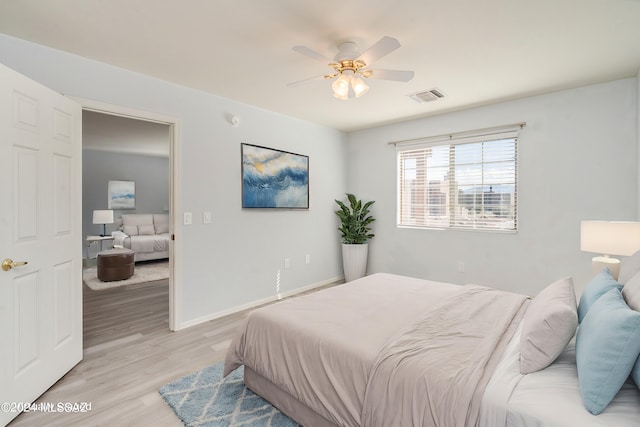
<point x="427" y="95"/>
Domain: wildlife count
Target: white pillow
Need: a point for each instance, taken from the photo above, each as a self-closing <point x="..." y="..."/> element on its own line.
<point x="161" y="228"/>
<point x="629" y="267"/>
<point x="146" y="230"/>
<point x="548" y="325"/>
<point x="631" y="292"/>
<point x="131" y="230"/>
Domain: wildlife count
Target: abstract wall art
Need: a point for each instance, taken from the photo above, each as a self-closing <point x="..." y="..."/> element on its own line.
<point x="274" y="179"/>
<point x="122" y="194"/>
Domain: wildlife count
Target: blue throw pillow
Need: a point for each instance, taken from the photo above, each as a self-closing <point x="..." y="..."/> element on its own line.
<point x="607" y="347"/>
<point x="598" y="286"/>
<point x="635" y="373"/>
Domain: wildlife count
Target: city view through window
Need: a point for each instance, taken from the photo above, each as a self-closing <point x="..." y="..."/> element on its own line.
<point x="468" y="186"/>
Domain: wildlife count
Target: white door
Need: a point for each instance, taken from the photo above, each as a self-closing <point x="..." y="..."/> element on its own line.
<point x="40" y="223"/>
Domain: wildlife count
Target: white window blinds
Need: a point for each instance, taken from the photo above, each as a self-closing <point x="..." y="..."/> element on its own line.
<point x="462" y="181"/>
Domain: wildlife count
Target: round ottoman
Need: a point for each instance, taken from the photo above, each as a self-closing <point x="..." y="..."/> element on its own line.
<point x="115" y="264"/>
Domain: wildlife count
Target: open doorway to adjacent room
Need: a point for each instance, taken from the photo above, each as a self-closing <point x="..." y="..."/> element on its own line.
<point x="135" y="149"/>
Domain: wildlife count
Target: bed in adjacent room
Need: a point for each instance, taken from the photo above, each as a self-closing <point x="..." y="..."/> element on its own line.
<point x="392" y="350"/>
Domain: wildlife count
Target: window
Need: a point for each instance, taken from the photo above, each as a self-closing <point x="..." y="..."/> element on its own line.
<point x="463" y="181"/>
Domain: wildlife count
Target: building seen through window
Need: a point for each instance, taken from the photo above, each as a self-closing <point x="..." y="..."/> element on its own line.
<point x="469" y="185"/>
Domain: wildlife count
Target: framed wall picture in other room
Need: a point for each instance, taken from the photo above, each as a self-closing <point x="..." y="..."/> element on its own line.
<point x="122" y="195"/>
<point x="274" y="178"/>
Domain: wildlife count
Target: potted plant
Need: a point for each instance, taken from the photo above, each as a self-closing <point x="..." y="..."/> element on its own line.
<point x="355" y="221"/>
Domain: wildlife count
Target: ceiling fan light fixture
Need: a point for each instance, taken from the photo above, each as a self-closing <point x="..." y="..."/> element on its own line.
<point x="349" y="67"/>
<point x="359" y="86"/>
<point x="341" y="87"/>
<point x="340" y="96"/>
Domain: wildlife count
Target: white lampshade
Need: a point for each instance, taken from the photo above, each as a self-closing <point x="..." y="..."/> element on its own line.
<point x="103" y="217"/>
<point x="609" y="238"/>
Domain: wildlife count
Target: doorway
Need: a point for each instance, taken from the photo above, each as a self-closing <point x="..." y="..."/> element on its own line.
<point x="172" y="125"/>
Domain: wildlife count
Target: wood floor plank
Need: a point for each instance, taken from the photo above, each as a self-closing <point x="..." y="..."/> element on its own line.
<point x="129" y="354"/>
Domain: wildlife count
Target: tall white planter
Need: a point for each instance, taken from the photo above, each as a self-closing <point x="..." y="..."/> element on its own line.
<point x="354" y="261"/>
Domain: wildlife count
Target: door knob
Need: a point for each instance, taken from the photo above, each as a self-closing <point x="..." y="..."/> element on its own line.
<point x="8" y="264"/>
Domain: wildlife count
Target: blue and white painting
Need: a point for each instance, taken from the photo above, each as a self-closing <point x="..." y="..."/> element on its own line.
<point x="274" y="179"/>
<point x="122" y="194"/>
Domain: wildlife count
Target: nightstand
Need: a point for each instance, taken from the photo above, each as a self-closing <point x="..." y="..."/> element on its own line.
<point x="93" y="239"/>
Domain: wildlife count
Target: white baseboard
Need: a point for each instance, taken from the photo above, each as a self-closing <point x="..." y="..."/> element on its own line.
<point x="254" y="304"/>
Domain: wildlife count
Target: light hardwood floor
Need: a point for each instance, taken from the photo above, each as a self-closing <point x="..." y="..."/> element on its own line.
<point x="129" y="353"/>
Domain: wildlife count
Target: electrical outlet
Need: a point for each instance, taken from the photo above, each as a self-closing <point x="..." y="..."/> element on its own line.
<point x="188" y="218"/>
<point x="460" y="267"/>
<point x="287" y="263"/>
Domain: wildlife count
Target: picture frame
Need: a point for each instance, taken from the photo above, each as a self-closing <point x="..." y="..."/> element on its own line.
<point x="122" y="195"/>
<point x="273" y="178"/>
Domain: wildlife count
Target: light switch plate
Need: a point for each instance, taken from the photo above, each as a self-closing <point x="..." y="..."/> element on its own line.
<point x="206" y="217"/>
<point x="188" y="218"/>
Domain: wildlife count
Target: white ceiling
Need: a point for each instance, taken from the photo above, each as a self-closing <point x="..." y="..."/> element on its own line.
<point x="475" y="52"/>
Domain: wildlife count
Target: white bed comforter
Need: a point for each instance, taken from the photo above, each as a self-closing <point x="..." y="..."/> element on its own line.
<point x="325" y="348"/>
<point x="434" y="372"/>
<point x="151" y="243"/>
<point x="142" y="244"/>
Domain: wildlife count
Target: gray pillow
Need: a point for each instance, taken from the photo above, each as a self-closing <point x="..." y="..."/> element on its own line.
<point x="548" y="325"/>
<point x="146" y="230"/>
<point x="629" y="267"/>
<point x="631" y="292"/>
<point x="161" y="228"/>
<point x="131" y="230"/>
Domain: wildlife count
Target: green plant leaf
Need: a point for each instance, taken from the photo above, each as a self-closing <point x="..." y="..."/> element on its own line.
<point x="355" y="220"/>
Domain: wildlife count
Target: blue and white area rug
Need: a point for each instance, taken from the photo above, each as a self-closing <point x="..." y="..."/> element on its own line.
<point x="204" y="398"/>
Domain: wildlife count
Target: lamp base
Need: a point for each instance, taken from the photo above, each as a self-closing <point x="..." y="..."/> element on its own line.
<point x="599" y="263"/>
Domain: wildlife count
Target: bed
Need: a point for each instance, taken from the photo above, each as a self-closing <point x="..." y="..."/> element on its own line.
<point x="147" y="235"/>
<point x="392" y="350"/>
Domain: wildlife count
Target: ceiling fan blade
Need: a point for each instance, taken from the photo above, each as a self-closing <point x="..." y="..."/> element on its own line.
<point x="305" y="81"/>
<point x="383" y="47"/>
<point x="395" y="75"/>
<point x="312" y="54"/>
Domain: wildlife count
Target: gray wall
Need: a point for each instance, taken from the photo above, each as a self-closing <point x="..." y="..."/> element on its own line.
<point x="577" y="161"/>
<point x="236" y="259"/>
<point x="150" y="173"/>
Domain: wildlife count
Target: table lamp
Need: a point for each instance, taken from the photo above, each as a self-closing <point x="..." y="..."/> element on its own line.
<point x="103" y="217"/>
<point x="609" y="238"/>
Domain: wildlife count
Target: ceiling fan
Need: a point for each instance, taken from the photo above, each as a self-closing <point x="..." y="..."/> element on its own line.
<point x="350" y="67"/>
